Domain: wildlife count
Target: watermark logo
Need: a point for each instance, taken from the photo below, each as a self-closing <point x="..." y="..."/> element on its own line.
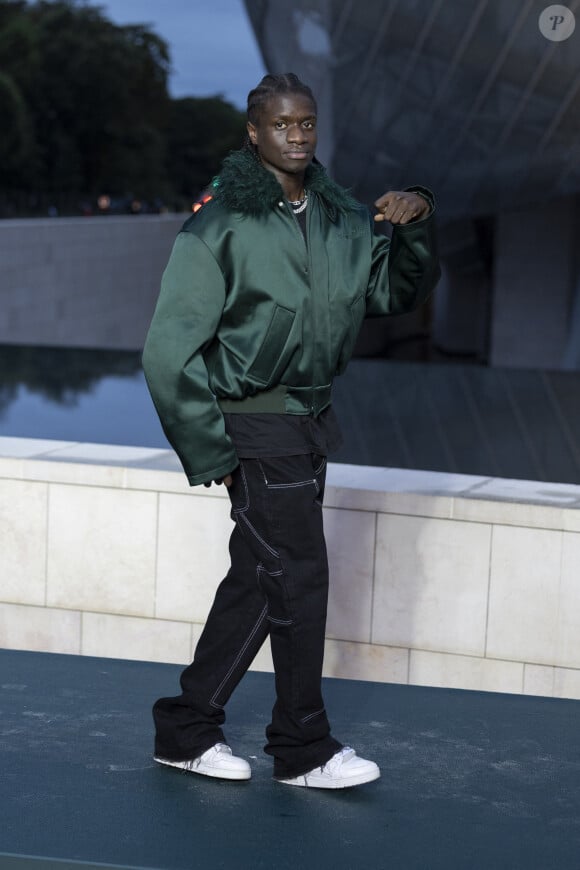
<point x="557" y="23"/>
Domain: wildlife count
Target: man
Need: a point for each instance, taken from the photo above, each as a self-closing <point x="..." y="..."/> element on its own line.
<point x="260" y="306"/>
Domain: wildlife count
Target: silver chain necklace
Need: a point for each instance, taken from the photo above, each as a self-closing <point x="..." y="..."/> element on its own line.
<point x="298" y="205"/>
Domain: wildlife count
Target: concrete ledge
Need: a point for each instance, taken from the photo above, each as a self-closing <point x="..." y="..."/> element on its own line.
<point x="436" y="579"/>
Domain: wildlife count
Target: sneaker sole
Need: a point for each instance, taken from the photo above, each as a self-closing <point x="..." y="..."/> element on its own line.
<point x="301" y="782"/>
<point x="205" y="771"/>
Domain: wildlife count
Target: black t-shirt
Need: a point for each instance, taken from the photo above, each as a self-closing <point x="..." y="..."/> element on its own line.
<point x="255" y="435"/>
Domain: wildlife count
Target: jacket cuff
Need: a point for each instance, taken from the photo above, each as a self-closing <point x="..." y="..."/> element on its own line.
<point x="212" y="474"/>
<point x="425" y="194"/>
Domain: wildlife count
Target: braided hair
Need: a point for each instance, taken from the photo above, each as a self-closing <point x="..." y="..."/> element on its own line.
<point x="272" y="86"/>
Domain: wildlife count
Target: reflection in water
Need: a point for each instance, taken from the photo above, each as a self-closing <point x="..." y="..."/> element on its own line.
<point x="454" y="418"/>
<point x="59" y="374"/>
<point x="76" y="394"/>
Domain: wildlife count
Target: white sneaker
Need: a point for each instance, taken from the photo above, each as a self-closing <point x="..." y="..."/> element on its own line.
<point x="217" y="761"/>
<point x="344" y="769"/>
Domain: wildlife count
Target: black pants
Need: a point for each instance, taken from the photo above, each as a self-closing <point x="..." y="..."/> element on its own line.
<point x="277" y="585"/>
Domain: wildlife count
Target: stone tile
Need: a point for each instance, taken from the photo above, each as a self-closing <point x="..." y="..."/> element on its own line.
<point x="431" y="584"/>
<point x="164" y="460"/>
<point x="508" y="513"/>
<point x="407" y="503"/>
<point x="166" y="480"/>
<point x="364" y="661"/>
<point x="11" y="468"/>
<point x="29" y="447"/>
<point x="465" y="672"/>
<point x="77" y="473"/>
<point x="567" y="637"/>
<point x="404" y="480"/>
<point x="196" y="630"/>
<point x="350" y="537"/>
<point x="106" y="454"/>
<point x="101" y="549"/>
<point x="538" y="680"/>
<point x="571" y="520"/>
<point x="524" y="599"/>
<point x="530" y="491"/>
<point x="129" y="637"/>
<point x="23" y="524"/>
<point x="394" y="490"/>
<point x="193" y="554"/>
<point x="566" y="683"/>
<point x="41" y="629"/>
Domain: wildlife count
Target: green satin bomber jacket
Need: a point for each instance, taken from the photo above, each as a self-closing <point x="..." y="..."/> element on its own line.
<point x="251" y="318"/>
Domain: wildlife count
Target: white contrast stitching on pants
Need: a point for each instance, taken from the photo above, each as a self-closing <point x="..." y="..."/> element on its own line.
<point x="246" y="644"/>
<point x="292" y="485"/>
<point x="256" y="535"/>
<point x="312" y="715"/>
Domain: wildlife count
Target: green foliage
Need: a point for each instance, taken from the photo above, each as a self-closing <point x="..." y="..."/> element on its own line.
<point x="17" y="64"/>
<point x="85" y="110"/>
<point x="16" y="139"/>
<point x="201" y="132"/>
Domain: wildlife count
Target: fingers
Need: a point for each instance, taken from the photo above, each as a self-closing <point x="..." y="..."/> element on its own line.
<point x="227" y="480"/>
<point x="395" y="209"/>
<point x="399" y="208"/>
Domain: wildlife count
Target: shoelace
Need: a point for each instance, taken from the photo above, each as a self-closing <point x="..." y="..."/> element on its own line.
<point x="218" y="749"/>
<point x="334" y="763"/>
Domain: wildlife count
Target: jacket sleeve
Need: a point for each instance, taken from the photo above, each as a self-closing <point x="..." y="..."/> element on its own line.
<point x="405" y="268"/>
<point x="185" y="321"/>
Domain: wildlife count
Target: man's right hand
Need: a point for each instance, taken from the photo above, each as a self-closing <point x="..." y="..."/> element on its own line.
<point x="227" y="480"/>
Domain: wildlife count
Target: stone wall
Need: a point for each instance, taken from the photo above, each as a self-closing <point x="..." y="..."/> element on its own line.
<point x="82" y="282"/>
<point x="436" y="579"/>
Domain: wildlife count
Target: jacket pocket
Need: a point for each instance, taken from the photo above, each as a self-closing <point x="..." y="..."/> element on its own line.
<point x="274" y="350"/>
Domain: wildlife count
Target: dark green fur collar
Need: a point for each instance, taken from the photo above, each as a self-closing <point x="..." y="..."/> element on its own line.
<point x="245" y="186"/>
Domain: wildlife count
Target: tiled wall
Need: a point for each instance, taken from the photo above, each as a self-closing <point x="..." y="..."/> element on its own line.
<point x="102" y="294"/>
<point x="443" y="580"/>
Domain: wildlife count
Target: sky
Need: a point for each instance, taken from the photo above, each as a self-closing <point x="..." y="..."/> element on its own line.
<point x="213" y="48"/>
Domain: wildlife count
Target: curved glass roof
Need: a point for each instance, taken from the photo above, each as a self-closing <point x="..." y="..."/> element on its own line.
<point x="465" y="96"/>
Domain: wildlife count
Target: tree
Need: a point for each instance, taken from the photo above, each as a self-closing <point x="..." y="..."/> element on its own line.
<point x="17" y="63"/>
<point x="85" y="110"/>
<point x="201" y="132"/>
<point x="101" y="100"/>
<point x="15" y="142"/>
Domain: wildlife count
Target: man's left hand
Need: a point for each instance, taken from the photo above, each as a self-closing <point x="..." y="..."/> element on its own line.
<point x="401" y="206"/>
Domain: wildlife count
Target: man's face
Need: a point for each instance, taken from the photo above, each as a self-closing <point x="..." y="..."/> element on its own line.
<point x="285" y="134"/>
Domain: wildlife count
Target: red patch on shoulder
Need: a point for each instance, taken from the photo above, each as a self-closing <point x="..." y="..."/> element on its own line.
<point x="199" y="203"/>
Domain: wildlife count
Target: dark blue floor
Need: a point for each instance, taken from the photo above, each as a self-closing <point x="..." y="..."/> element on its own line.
<point x="471" y="781"/>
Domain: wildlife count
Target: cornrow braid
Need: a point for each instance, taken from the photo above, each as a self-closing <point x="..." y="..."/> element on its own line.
<point x="272" y="86"/>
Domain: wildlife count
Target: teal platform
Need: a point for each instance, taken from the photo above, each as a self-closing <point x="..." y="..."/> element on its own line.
<point x="471" y="781"/>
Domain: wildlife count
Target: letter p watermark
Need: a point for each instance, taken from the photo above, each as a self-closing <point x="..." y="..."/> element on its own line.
<point x="557" y="23"/>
